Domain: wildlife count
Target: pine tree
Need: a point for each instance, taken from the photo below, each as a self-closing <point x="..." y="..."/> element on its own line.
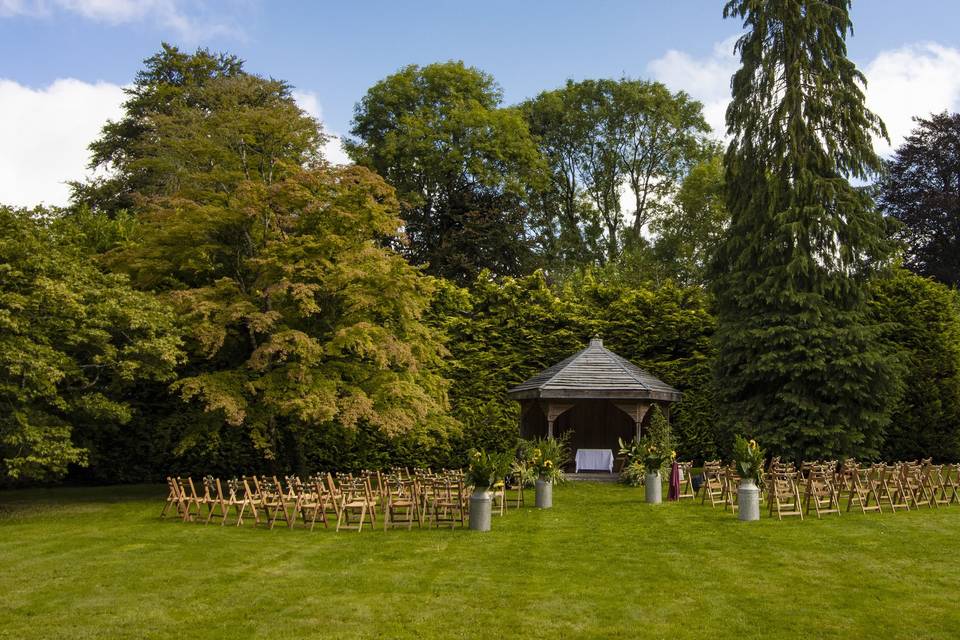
<point x="799" y="361"/>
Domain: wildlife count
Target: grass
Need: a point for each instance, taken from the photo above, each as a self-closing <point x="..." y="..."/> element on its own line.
<point x="98" y="563"/>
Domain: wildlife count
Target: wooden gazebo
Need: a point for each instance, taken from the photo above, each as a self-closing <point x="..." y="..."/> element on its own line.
<point x="595" y="393"/>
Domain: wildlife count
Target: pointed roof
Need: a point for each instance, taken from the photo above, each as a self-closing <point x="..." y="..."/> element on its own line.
<point x="595" y="372"/>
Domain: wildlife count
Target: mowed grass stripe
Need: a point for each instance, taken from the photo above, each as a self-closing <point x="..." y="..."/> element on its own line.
<point x="98" y="563"/>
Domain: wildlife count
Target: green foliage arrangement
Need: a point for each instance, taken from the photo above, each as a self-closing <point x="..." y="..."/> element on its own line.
<point x="655" y="455"/>
<point x="487" y="469"/>
<point x="634" y="470"/>
<point x="634" y="473"/>
<point x="548" y="456"/>
<point x="749" y="458"/>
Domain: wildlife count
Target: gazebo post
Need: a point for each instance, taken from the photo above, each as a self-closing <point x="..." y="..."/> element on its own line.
<point x="636" y="411"/>
<point x="553" y="410"/>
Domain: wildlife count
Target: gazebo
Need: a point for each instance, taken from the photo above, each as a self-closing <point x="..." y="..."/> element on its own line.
<point x="595" y="393"/>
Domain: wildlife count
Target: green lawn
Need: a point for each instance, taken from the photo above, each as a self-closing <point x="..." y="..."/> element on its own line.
<point x="98" y="563"/>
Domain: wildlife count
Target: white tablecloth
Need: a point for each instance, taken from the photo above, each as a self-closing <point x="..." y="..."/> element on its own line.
<point x="594" y="459"/>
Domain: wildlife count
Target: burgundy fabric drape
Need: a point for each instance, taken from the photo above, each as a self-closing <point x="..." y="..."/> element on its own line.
<point x="674" y="492"/>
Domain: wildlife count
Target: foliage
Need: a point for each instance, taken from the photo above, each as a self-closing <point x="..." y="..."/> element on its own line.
<point x="689" y="230"/>
<point x="487" y="469"/>
<point x="634" y="473"/>
<point x="798" y="356"/>
<point x="596" y="136"/>
<point x="921" y="189"/>
<point x="921" y="320"/>
<point x="654" y="455"/>
<point x="255" y="118"/>
<point x="548" y="456"/>
<point x="299" y="318"/>
<point x="74" y="344"/>
<point x="634" y="469"/>
<point x="749" y="458"/>
<point x="460" y="163"/>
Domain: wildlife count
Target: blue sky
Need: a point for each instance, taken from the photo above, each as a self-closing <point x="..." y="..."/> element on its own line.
<point x="333" y="51"/>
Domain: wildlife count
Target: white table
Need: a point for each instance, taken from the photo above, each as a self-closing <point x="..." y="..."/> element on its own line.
<point x="594" y="459"/>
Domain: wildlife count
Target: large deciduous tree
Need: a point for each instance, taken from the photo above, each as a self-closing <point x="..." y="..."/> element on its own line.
<point x="603" y="139"/>
<point x="799" y="360"/>
<point x="688" y="232"/>
<point x="462" y="167"/>
<point x="74" y="344"/>
<point x="922" y="190"/>
<point x="300" y="318"/>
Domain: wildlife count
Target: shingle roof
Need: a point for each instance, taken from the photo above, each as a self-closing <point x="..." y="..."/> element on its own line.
<point x="594" y="372"/>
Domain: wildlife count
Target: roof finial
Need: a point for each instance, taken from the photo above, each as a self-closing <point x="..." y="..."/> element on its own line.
<point x="595" y="341"/>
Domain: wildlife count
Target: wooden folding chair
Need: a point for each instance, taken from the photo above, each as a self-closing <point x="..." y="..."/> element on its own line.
<point x="192" y="501"/>
<point x="274" y="502"/>
<point x="915" y="486"/>
<point x="402" y="505"/>
<point x="174" y="498"/>
<point x="890" y="488"/>
<point x="686" y="481"/>
<point x="250" y="487"/>
<point x="731" y="482"/>
<point x="216" y="501"/>
<point x="939" y="493"/>
<point x="784" y="496"/>
<point x="712" y="483"/>
<point x="951" y="483"/>
<point x="820" y="493"/>
<point x="448" y="502"/>
<point x="355" y="502"/>
<point x="514" y="484"/>
<point x="310" y="501"/>
<point x="862" y="488"/>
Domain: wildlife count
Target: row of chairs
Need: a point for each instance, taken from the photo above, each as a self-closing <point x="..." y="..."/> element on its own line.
<point x="821" y="486"/>
<point x="398" y="497"/>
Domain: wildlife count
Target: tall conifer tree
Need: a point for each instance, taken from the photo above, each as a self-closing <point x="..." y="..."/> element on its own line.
<point x="798" y="358"/>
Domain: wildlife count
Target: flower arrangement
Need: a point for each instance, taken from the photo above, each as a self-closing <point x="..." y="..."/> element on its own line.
<point x="656" y="455"/>
<point x="748" y="457"/>
<point x="487" y="469"/>
<point x="634" y="470"/>
<point x="548" y="457"/>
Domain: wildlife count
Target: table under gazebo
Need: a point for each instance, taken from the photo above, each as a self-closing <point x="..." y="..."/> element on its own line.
<point x="598" y="395"/>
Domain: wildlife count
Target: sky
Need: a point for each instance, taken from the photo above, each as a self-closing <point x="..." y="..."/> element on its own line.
<point x="64" y="63"/>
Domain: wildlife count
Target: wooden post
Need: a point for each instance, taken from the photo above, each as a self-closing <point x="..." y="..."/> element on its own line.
<point x="553" y="410"/>
<point x="636" y="411"/>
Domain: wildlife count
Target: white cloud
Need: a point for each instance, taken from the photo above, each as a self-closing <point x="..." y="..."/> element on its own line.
<point x="45" y="134"/>
<point x="707" y="79"/>
<point x="915" y="80"/>
<point x="333" y="149"/>
<point x="172" y="14"/>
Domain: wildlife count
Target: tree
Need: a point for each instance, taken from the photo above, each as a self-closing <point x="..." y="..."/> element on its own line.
<point x="799" y="357"/>
<point x="300" y="318"/>
<point x="604" y="137"/>
<point x="461" y="165"/>
<point x="921" y="189"/>
<point x="688" y="232"/>
<point x="921" y="320"/>
<point x="74" y="342"/>
<point x="203" y="85"/>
